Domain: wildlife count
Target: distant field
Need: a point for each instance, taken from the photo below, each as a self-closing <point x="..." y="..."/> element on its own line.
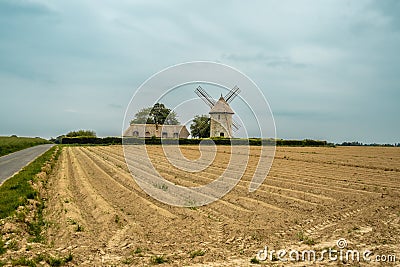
<point x="9" y="144"/>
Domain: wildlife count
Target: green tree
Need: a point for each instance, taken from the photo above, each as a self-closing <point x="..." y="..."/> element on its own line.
<point x="143" y="116"/>
<point x="200" y="126"/>
<point x="81" y="133"/>
<point x="158" y="114"/>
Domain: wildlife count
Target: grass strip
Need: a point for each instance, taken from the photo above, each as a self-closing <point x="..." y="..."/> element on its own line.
<point x="10" y="144"/>
<point x="16" y="191"/>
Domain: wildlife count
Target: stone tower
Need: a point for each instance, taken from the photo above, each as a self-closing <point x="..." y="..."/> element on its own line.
<point x="221" y="119"/>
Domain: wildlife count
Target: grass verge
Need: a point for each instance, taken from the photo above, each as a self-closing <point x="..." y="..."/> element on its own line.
<point x="9" y="144"/>
<point x="17" y="190"/>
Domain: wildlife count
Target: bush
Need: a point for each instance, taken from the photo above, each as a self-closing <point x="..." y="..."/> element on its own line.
<point x="87" y="133"/>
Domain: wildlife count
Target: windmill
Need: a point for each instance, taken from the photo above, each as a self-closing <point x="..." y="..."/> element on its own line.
<point x="221" y="113"/>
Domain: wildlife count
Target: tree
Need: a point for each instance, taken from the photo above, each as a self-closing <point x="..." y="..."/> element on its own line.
<point x="142" y="116"/>
<point x="200" y="126"/>
<point x="158" y="114"/>
<point x="81" y="133"/>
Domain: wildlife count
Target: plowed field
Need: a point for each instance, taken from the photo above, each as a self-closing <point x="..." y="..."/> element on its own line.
<point x="311" y="195"/>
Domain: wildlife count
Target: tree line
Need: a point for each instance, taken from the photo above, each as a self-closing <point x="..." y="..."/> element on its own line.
<point x="356" y="143"/>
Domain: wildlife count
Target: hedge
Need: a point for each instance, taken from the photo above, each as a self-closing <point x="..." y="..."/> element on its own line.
<point x="184" y="141"/>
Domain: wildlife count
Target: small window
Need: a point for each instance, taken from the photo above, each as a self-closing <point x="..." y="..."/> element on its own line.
<point x="164" y="135"/>
<point x="176" y="135"/>
<point x="147" y="134"/>
<point x="219" y="117"/>
<point x="221" y="134"/>
<point x="135" y="133"/>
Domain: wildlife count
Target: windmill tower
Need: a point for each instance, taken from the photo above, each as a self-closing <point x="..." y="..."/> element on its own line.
<point x="221" y="119"/>
<point x="221" y="113"/>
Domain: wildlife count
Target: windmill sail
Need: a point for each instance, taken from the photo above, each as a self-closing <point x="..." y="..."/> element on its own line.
<point x="235" y="125"/>
<point x="205" y="96"/>
<point x="232" y="94"/>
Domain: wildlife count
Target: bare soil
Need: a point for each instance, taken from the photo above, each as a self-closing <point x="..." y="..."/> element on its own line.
<point x="310" y="199"/>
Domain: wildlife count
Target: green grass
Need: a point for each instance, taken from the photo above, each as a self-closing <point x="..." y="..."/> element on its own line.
<point x="23" y="261"/>
<point x="127" y="261"/>
<point x="50" y="260"/>
<point x="9" y="144"/>
<point x="16" y="191"/>
<point x="2" y="247"/>
<point x="79" y="228"/>
<point x="155" y="260"/>
<point x="69" y="257"/>
<point x="197" y="253"/>
<point x="305" y="239"/>
<point x="13" y="245"/>
<point x="55" y="261"/>
<point x="138" y="251"/>
<point x="254" y="261"/>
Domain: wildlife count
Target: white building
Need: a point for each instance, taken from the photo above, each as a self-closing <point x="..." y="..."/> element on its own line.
<point x="150" y="130"/>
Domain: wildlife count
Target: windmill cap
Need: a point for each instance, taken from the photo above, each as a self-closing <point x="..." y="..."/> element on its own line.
<point x="221" y="107"/>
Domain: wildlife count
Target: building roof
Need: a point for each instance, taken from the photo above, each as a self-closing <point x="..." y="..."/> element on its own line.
<point x="221" y="107"/>
<point x="158" y="126"/>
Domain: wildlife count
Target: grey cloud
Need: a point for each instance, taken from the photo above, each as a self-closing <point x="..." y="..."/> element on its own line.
<point x="390" y="9"/>
<point x="115" y="106"/>
<point x="270" y="61"/>
<point x="12" y="8"/>
<point x="301" y="114"/>
<point x="333" y="61"/>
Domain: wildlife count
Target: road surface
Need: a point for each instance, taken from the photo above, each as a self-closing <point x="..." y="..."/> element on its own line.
<point x="14" y="162"/>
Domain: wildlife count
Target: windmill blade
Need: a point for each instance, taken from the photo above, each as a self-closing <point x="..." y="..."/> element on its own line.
<point x="232" y="94"/>
<point x="205" y="96"/>
<point x="235" y="125"/>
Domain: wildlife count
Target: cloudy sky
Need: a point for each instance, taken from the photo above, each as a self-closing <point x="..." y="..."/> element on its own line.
<point x="329" y="69"/>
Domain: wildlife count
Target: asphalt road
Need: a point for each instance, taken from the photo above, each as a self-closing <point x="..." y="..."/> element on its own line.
<point x="12" y="163"/>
